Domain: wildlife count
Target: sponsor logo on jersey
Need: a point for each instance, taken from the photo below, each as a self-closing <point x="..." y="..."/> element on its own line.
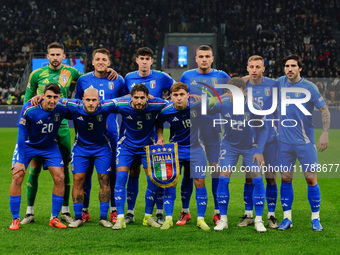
<point x="56" y="117"/>
<point x="80" y="118"/>
<point x="129" y="117"/>
<point x="193" y="82"/>
<point x="46" y="81"/>
<point x="267" y="91"/>
<point x="22" y="121"/>
<point x="175" y="119"/>
<point x="111" y="85"/>
<point x="39" y="122"/>
<point x="227" y="115"/>
<point x="148" y="116"/>
<point x="153" y="84"/>
<point x="101" y="84"/>
<point x="99" y="117"/>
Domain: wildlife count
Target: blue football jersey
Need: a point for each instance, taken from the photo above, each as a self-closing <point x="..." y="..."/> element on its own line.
<point x="238" y="131"/>
<point x="137" y="127"/>
<point x="156" y="82"/>
<point x="303" y="132"/>
<point x="90" y="128"/>
<point x="39" y="128"/>
<point x="184" y="124"/>
<point x="263" y="95"/>
<point x="107" y="90"/>
<point x="194" y="79"/>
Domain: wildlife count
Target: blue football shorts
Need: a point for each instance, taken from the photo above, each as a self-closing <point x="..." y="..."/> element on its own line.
<point x="84" y="157"/>
<point x="51" y="155"/>
<point x="305" y="153"/>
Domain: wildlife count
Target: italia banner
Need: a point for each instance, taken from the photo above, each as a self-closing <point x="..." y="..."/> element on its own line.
<point x="163" y="164"/>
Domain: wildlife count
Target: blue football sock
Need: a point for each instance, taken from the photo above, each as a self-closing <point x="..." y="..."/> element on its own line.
<point x="87" y="189"/>
<point x="132" y="192"/>
<point x="112" y="185"/>
<point x="57" y="202"/>
<point x="159" y="200"/>
<point x="223" y="194"/>
<point x="271" y="195"/>
<point x="103" y="209"/>
<point x="77" y="208"/>
<point x="169" y="200"/>
<point x="258" y="195"/>
<point x="287" y="195"/>
<point x="248" y="196"/>
<point x="314" y="197"/>
<point x="202" y="201"/>
<point x="186" y="190"/>
<point x="14" y="205"/>
<point x="150" y="196"/>
<point x="214" y="185"/>
<point x="120" y="191"/>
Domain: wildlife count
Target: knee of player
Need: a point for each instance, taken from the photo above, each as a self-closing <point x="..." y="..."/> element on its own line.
<point x="286" y="180"/>
<point x="199" y="183"/>
<point x="18" y="178"/>
<point x="271" y="181"/>
<point x="311" y="181"/>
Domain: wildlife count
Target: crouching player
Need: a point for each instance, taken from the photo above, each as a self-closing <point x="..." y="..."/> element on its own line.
<point x="91" y="148"/>
<point x="184" y="115"/>
<point x="240" y="138"/>
<point x="37" y="132"/>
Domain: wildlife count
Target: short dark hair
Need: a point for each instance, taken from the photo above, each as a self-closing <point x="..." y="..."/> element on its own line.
<point x="53" y="87"/>
<point x="144" y="51"/>
<point x="293" y="57"/>
<point x="204" y="47"/>
<point x="103" y="51"/>
<point x="139" y="87"/>
<point x="238" y="82"/>
<point x="177" y="86"/>
<point x="55" y="45"/>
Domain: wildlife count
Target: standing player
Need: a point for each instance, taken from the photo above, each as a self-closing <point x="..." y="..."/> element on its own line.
<point x="248" y="140"/>
<point x="158" y="83"/>
<point x="184" y="118"/>
<point x="298" y="141"/>
<point x="262" y="92"/>
<point x="91" y="148"/>
<point x="38" y="128"/>
<point x="63" y="75"/>
<point x="210" y="135"/>
<point x="137" y="128"/>
<point x="107" y="90"/>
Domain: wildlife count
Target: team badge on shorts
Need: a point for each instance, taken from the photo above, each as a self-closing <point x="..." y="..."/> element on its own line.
<point x="163" y="164"/>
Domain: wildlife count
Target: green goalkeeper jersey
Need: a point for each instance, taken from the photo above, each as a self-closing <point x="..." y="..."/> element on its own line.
<point x="42" y="76"/>
<point x="45" y="75"/>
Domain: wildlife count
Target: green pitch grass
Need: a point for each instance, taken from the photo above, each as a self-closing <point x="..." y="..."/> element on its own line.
<point x="39" y="238"/>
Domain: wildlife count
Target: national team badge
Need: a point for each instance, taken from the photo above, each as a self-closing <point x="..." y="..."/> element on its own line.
<point x="148" y="116"/>
<point x="99" y="118"/>
<point x="246" y="116"/>
<point x="64" y="78"/>
<point x="193" y="113"/>
<point x="214" y="81"/>
<point x="163" y="164"/>
<point x="153" y="84"/>
<point x="267" y="92"/>
<point x="56" y="117"/>
<point x="111" y="86"/>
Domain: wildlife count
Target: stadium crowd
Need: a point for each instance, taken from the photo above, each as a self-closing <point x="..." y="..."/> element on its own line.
<point x="272" y="29"/>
